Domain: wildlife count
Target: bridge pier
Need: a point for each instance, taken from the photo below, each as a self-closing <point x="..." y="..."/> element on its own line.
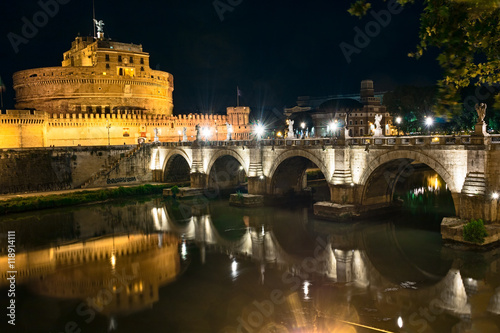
<point x="257" y="185"/>
<point x="346" y="194"/>
<point x="469" y="207"/>
<point x="198" y="180"/>
<point x="157" y="176"/>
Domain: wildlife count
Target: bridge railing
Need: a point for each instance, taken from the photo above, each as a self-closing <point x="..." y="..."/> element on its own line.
<point x="352" y="141"/>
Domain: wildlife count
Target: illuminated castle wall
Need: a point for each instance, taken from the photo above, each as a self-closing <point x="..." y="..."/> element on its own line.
<point x="24" y="129"/>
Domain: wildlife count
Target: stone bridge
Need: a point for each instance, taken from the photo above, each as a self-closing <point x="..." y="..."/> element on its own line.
<point x="361" y="172"/>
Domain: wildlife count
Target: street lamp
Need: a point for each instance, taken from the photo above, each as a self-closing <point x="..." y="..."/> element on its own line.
<point x="206" y="132"/>
<point x="259" y="131"/>
<point x="429" y="121"/>
<point x="398" y="121"/>
<point x="333" y="126"/>
<point x="179" y="132"/>
<point x="108" y="126"/>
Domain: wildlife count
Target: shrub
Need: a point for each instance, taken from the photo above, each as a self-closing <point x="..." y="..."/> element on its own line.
<point x="475" y="232"/>
<point x="175" y="190"/>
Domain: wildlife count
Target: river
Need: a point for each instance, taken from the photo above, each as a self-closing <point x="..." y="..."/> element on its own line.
<point x="154" y="265"/>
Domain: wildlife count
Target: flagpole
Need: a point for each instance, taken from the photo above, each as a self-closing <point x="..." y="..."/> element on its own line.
<point x="93" y="15"/>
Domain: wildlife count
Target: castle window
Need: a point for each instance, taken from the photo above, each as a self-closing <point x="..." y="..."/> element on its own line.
<point x="107" y="109"/>
<point x="119" y="58"/>
<point x="350" y="122"/>
<point x="120" y="71"/>
<point x="107" y="57"/>
<point x="107" y="66"/>
<point x="142" y="69"/>
<point x="142" y="61"/>
<point x="356" y="122"/>
<point x="131" y="60"/>
<point x="89" y="109"/>
<point x="361" y="122"/>
<point x="361" y="132"/>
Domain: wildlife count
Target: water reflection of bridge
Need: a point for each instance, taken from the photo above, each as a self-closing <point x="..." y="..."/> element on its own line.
<point x="345" y="257"/>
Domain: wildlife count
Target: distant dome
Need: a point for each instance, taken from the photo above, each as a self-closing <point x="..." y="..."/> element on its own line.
<point x="333" y="105"/>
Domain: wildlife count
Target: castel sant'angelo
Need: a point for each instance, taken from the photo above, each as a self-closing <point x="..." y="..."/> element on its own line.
<point x="104" y="93"/>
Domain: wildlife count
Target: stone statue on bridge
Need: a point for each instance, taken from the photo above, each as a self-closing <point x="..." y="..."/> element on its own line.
<point x="184" y="134"/>
<point x="480" y="127"/>
<point x="156" y="131"/>
<point x="290" y="129"/>
<point x="229" y="129"/>
<point x="378" y="127"/>
<point x="198" y="132"/>
<point x="481" y="112"/>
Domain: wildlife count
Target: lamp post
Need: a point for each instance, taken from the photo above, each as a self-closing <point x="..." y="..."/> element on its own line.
<point x="429" y="121"/>
<point x="108" y="126"/>
<point x="398" y="121"/>
<point x="259" y="131"/>
<point x="333" y="127"/>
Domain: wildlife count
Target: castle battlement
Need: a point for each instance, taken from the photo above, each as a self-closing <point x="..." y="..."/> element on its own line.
<point x="28" y="128"/>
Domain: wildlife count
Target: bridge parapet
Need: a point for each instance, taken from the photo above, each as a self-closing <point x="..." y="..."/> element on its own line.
<point x="430" y="140"/>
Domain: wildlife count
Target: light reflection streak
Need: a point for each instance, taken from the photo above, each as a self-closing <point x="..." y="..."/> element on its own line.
<point x="234" y="269"/>
<point x="305" y="288"/>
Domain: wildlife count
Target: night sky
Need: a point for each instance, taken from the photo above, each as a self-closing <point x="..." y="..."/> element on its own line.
<point x="273" y="50"/>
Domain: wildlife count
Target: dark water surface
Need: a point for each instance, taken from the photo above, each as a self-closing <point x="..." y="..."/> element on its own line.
<point x="198" y="266"/>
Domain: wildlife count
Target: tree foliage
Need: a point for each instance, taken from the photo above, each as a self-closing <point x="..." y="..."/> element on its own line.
<point x="412" y="104"/>
<point x="467" y="34"/>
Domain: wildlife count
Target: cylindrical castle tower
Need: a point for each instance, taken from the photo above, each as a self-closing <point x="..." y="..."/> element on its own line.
<point x="97" y="76"/>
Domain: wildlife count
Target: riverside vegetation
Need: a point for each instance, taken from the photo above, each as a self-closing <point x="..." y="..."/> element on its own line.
<point x="23" y="204"/>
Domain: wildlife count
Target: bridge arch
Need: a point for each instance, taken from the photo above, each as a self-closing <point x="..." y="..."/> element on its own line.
<point x="298" y="161"/>
<point x="226" y="152"/>
<point x="384" y="171"/>
<point x="176" y="166"/>
<point x="226" y="169"/>
<point x="300" y="153"/>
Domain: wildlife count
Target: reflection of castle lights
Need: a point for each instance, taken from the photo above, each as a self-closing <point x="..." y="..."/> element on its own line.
<point x="112" y="324"/>
<point x="234" y="269"/>
<point x="495" y="195"/>
<point x="113" y="261"/>
<point x="305" y="288"/>
<point x="183" y="250"/>
<point x="400" y="322"/>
